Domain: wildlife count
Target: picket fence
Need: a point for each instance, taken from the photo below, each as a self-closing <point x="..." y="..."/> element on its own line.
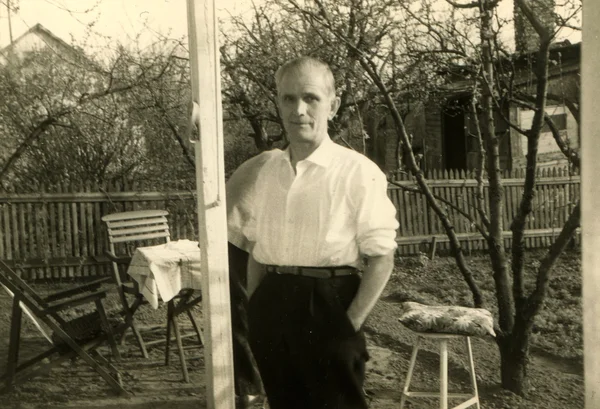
<point x="57" y="232"/>
<point x="557" y="192"/>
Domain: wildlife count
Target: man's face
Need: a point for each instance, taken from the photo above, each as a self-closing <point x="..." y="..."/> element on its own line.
<point x="305" y="105"/>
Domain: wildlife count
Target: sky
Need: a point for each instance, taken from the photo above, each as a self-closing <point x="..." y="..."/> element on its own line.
<point x="123" y="19"/>
<point x="120" y="19"/>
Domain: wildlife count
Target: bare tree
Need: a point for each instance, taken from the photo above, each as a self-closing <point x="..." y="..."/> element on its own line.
<point x="254" y="49"/>
<point x="124" y="118"/>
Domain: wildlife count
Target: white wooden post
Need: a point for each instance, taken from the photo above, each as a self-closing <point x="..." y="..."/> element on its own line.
<point x="590" y="195"/>
<point x="212" y="224"/>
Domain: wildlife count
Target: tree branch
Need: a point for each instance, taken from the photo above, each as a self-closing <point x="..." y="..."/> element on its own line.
<point x="32" y="137"/>
<point x="479" y="174"/>
<point x="471" y="5"/>
<point x="525" y="206"/>
<point x="189" y="157"/>
<point x="38" y="130"/>
<point x="536" y="298"/>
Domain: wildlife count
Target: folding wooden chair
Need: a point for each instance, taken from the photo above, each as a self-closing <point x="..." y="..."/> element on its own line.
<point x="73" y="337"/>
<point x="126" y="232"/>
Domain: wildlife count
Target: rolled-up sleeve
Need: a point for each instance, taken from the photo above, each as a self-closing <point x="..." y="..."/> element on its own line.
<point x="375" y="213"/>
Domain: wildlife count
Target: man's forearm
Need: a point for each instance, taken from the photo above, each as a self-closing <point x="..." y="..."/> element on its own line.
<point x="374" y="279"/>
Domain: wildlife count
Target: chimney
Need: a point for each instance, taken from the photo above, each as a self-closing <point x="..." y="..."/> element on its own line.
<point x="526" y="39"/>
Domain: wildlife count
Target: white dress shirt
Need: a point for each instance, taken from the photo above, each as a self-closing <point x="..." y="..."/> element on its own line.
<point x="331" y="212"/>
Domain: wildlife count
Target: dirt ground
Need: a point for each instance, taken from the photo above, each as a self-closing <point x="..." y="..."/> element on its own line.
<point x="555" y="371"/>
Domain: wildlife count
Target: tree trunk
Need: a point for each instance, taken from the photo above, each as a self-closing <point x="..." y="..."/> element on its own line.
<point x="260" y="136"/>
<point x="376" y="147"/>
<point x="496" y="191"/>
<point x="514" y="358"/>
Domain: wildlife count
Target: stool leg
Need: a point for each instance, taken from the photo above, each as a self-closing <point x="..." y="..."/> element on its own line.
<point x="443" y="374"/>
<point x="411" y="367"/>
<point x="472" y="370"/>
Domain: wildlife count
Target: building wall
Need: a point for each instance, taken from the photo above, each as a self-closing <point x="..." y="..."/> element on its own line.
<point x="27" y="43"/>
<point x="391" y="140"/>
<point x="434" y="150"/>
<point x="548" y="150"/>
<point x="563" y="81"/>
<point x="38" y="38"/>
<point x="30" y="42"/>
<point x="565" y="85"/>
<point x="423" y="125"/>
<point x="516" y="140"/>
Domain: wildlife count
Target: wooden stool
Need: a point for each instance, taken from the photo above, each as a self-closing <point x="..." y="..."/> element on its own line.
<point x="443" y="395"/>
<point x="443" y="323"/>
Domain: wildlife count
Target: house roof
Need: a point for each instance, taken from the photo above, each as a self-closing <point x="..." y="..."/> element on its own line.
<point x="563" y="51"/>
<point x="50" y="39"/>
<point x="460" y="80"/>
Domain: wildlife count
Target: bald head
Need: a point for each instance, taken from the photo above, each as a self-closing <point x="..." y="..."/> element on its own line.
<point x="295" y="66"/>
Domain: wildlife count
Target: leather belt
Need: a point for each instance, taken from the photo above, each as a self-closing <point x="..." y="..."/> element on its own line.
<point x="314" y="272"/>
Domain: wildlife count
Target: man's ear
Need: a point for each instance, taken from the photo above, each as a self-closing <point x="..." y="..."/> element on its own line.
<point x="335" y="105"/>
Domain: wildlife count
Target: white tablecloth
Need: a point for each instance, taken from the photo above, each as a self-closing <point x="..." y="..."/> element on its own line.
<point x="166" y="269"/>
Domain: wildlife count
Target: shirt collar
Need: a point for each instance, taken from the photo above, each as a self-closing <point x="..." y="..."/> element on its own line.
<point x="321" y="156"/>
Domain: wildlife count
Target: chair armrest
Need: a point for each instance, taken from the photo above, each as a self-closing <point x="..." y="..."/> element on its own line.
<point x="91" y="286"/>
<point x="118" y="259"/>
<point x="83" y="299"/>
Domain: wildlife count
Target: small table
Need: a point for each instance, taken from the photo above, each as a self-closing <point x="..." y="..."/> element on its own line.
<point x="166" y="269"/>
<point x="170" y="270"/>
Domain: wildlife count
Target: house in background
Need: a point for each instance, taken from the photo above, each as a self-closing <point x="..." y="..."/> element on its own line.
<point x="444" y="131"/>
<point x="39" y="52"/>
<point x="39" y="38"/>
<point x="448" y="133"/>
<point x="36" y="39"/>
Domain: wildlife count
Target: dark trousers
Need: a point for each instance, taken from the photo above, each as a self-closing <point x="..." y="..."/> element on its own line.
<point x="307" y="351"/>
<point x="246" y="376"/>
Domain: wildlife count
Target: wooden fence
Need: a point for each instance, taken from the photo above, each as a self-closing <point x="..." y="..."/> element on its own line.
<point x="57" y="232"/>
<point x="556" y="193"/>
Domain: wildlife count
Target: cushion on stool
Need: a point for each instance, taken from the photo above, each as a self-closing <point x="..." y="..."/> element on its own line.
<point x="447" y="319"/>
